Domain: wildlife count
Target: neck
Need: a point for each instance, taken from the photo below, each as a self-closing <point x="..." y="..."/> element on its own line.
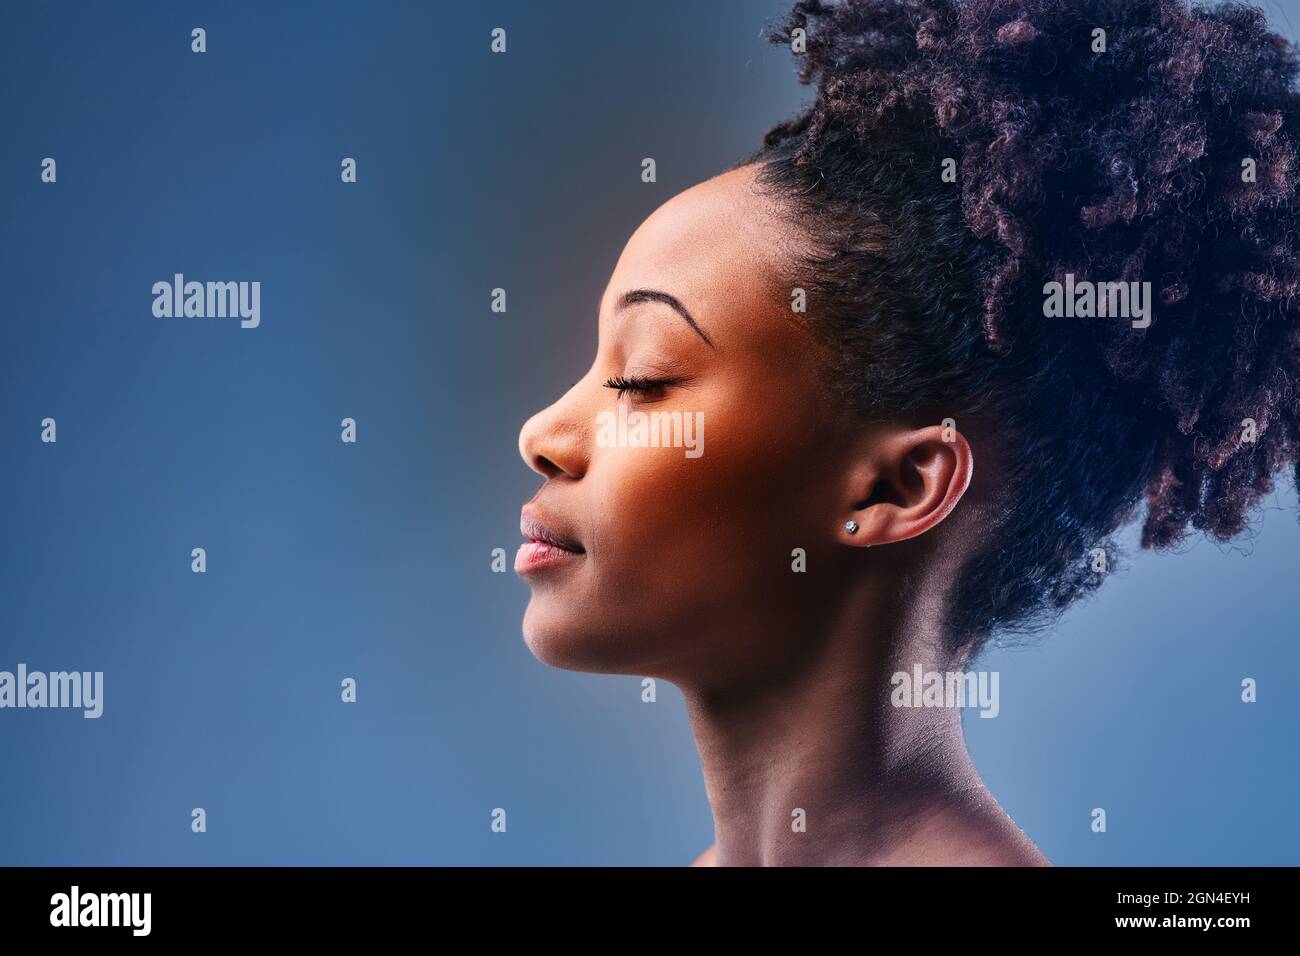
<point x="875" y="783"/>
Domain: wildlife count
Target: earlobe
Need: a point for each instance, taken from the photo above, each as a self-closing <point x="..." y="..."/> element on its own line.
<point x="851" y="529"/>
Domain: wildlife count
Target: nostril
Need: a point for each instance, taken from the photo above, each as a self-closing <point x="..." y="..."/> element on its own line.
<point x="544" y="465"/>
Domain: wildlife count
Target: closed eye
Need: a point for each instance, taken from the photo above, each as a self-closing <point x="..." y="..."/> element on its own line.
<point x="641" y="385"/>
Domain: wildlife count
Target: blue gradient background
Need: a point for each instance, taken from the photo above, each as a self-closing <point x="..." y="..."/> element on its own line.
<point x="372" y="560"/>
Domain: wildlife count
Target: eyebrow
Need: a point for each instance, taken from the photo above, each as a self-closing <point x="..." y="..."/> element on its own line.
<point x="634" y="296"/>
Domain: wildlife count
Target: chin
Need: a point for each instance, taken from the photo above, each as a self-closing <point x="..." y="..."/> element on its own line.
<point x="556" y="639"/>
<point x="559" y="638"/>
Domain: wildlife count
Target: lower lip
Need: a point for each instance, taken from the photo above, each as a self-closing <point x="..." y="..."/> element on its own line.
<point x="536" y="555"/>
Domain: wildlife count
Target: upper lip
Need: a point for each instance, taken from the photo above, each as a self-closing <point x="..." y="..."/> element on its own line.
<point x="534" y="528"/>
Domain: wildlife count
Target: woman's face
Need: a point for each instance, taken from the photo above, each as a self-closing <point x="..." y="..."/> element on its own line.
<point x="685" y="568"/>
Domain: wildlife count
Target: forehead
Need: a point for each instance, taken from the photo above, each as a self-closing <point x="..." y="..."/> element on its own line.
<point x="717" y="246"/>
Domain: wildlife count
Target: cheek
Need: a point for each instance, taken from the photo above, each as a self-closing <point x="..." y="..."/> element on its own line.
<point x="660" y="518"/>
<point x="654" y="507"/>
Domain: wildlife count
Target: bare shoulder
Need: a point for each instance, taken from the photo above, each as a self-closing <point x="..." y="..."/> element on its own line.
<point x="1003" y="844"/>
<point x="708" y="857"/>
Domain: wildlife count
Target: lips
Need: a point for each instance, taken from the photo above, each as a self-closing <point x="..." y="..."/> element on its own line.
<point x="546" y="547"/>
<point x="532" y="527"/>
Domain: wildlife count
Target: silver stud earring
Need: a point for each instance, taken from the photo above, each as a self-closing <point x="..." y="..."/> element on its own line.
<point x="851" y="527"/>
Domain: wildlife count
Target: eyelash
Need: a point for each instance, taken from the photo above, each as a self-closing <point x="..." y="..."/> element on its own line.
<point x="639" y="384"/>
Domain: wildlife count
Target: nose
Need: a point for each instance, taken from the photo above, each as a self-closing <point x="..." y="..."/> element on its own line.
<point x="554" y="441"/>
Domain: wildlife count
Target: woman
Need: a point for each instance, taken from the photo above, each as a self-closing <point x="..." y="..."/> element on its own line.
<point x="1017" y="271"/>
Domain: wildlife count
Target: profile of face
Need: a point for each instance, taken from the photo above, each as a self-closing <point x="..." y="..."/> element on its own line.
<point x="683" y="562"/>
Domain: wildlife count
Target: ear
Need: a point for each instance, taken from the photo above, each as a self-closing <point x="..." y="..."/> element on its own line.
<point x="904" y="483"/>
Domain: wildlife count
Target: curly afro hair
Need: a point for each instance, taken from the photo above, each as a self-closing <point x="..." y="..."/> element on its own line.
<point x="1133" y="141"/>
